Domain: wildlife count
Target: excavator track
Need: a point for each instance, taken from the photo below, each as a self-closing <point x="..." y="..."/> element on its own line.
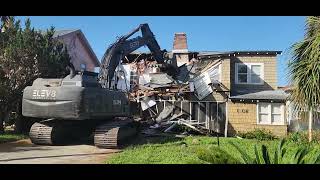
<point x="112" y="134"/>
<point x="52" y="133"/>
<point x="41" y="134"/>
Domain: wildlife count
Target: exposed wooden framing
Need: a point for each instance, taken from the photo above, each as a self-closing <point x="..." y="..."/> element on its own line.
<point x="190" y="108"/>
<point x="227" y="121"/>
<point x="207" y="117"/>
<point x="217" y="116"/>
<point x="208" y="114"/>
<point x="210" y="119"/>
<point x="199" y="105"/>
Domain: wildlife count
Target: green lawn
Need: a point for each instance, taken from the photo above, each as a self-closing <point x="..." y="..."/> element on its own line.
<point x="9" y="137"/>
<point x="184" y="150"/>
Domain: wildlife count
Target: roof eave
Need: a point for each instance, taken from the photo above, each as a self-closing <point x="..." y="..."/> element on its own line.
<point x="234" y="53"/>
<point x="257" y="100"/>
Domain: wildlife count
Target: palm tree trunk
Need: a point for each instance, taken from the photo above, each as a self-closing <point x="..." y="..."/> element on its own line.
<point x="310" y="124"/>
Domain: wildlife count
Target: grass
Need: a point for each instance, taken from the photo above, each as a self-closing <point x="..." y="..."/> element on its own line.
<point x="186" y="150"/>
<point x="9" y="137"/>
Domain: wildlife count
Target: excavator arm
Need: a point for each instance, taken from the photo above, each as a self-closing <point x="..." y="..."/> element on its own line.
<point x="124" y="46"/>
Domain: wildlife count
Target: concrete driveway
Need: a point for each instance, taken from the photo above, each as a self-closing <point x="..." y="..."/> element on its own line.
<point x="24" y="152"/>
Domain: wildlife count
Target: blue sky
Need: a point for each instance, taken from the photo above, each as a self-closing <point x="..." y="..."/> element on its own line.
<point x="216" y="33"/>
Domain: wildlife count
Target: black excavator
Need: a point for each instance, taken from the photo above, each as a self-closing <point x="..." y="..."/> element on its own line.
<point x="84" y="103"/>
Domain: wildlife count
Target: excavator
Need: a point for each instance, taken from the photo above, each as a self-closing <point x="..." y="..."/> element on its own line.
<point x="84" y="104"/>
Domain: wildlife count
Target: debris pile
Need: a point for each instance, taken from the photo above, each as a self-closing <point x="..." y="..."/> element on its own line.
<point x="168" y="100"/>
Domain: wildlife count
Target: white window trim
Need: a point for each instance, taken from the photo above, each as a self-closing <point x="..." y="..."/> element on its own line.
<point x="249" y="73"/>
<point x="270" y="113"/>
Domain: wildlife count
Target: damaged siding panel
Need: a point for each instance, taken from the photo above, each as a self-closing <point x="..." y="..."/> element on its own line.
<point x="203" y="89"/>
<point x="203" y="82"/>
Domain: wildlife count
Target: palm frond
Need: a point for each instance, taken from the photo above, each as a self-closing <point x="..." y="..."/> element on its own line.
<point x="304" y="69"/>
<point x="245" y="157"/>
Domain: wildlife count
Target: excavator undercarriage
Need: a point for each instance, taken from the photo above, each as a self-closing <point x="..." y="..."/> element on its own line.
<point x="110" y="134"/>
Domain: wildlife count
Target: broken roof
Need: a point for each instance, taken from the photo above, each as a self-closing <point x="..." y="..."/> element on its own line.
<point x="209" y="54"/>
<point x="262" y="95"/>
<point x="216" y="53"/>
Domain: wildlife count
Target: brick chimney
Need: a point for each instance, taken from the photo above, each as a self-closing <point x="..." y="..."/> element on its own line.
<point x="180" y="43"/>
<point x="180" y="49"/>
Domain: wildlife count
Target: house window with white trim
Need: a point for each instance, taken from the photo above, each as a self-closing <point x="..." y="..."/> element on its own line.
<point x="249" y="73"/>
<point x="270" y="113"/>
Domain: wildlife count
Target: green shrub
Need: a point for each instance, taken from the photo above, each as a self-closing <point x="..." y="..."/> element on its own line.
<point x="259" y="134"/>
<point x="300" y="155"/>
<point x="302" y="137"/>
<point x="215" y="155"/>
<point x="316" y="136"/>
<point x="298" y="137"/>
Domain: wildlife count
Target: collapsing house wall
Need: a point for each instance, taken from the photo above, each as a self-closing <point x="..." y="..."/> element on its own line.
<point x="164" y="99"/>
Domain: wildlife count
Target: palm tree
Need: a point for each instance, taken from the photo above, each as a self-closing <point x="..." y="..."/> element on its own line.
<point x="304" y="69"/>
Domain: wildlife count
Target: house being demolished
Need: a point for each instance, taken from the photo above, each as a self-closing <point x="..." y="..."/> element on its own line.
<point x="221" y="92"/>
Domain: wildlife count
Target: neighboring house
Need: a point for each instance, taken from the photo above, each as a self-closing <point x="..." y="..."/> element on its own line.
<point x="298" y="120"/>
<point x="79" y="49"/>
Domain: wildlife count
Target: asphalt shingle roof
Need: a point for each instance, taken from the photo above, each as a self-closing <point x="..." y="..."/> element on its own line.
<point x="263" y="95"/>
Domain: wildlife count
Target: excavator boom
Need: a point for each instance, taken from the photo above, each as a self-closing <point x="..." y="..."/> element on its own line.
<point x="124" y="46"/>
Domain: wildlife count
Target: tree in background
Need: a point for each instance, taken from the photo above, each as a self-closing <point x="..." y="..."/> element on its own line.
<point x="26" y="54"/>
<point x="305" y="70"/>
<point x="4" y="21"/>
<point x="4" y="18"/>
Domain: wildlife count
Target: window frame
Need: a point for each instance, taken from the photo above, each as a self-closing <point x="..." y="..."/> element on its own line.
<point x="282" y="113"/>
<point x="249" y="74"/>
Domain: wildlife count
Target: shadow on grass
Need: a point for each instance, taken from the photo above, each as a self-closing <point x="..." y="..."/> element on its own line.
<point x="141" y="139"/>
<point x="167" y="140"/>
